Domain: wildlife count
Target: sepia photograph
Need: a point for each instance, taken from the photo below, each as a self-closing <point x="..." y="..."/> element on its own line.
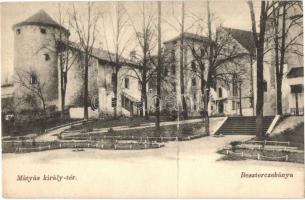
<point x="152" y="99"/>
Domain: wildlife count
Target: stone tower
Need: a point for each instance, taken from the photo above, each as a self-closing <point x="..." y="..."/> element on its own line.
<point x="35" y="57"/>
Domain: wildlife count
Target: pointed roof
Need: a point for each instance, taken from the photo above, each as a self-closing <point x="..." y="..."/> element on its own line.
<point x="245" y="38"/>
<point x="41" y="18"/>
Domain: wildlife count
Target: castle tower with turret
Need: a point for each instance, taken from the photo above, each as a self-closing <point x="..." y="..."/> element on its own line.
<point x="35" y="59"/>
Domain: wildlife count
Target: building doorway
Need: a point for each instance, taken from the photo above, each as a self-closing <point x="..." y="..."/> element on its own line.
<point x="220" y="107"/>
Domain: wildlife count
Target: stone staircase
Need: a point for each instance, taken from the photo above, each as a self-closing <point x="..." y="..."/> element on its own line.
<point x="243" y="125"/>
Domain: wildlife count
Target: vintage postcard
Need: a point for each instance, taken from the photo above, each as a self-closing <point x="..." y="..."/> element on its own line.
<point x="152" y="99"/>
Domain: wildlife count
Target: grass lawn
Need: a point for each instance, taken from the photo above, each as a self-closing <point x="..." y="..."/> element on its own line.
<point x="184" y="130"/>
<point x="295" y="136"/>
<point x="121" y="121"/>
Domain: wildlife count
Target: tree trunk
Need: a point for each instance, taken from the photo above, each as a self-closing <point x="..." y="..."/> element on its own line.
<point x="282" y="60"/>
<point x="205" y="111"/>
<point x="279" y="107"/>
<point x="115" y="90"/>
<point x="260" y="95"/>
<point x="158" y="68"/>
<point x="184" y="106"/>
<point x="209" y="77"/>
<point x="86" y="116"/>
<point x="259" y="44"/>
<point x="62" y="89"/>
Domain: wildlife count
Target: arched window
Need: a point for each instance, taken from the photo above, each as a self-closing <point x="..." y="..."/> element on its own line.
<point x="18" y="31"/>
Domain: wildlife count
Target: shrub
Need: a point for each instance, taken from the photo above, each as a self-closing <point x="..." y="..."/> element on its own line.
<point x="234" y="145"/>
<point x="186" y="130"/>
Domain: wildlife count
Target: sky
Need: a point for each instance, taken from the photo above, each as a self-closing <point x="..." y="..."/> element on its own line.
<point x="229" y="13"/>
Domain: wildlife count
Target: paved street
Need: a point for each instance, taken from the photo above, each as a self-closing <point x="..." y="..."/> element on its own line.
<point x="183" y="169"/>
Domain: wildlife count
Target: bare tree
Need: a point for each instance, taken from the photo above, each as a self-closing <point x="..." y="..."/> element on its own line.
<point x="86" y="30"/>
<point x="284" y="24"/>
<point x="216" y="58"/>
<point x="159" y="66"/>
<point x="259" y="41"/>
<point x="145" y="38"/>
<point x="118" y="24"/>
<point x="35" y="89"/>
<point x="66" y="57"/>
<point x="182" y="64"/>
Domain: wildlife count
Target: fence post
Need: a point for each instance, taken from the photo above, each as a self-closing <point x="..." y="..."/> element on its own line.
<point x="287" y="157"/>
<point x="288" y="143"/>
<point x="242" y="154"/>
<point x="227" y="152"/>
<point x="49" y="146"/>
<point x="258" y="156"/>
<point x="265" y="142"/>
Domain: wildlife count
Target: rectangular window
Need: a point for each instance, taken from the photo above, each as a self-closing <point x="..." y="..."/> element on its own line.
<point x="193" y="81"/>
<point x="195" y="107"/>
<point x="165" y="72"/>
<point x="174" y="87"/>
<point x="113" y="77"/>
<point x="46" y="57"/>
<point x="193" y="65"/>
<point x="127" y="83"/>
<point x="265" y="86"/>
<point x="219" y="92"/>
<point x="233" y="105"/>
<point x="173" y="54"/>
<point x="235" y="89"/>
<point x="33" y="79"/>
<point x="202" y="52"/>
<point x="139" y="85"/>
<point x="173" y="69"/>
